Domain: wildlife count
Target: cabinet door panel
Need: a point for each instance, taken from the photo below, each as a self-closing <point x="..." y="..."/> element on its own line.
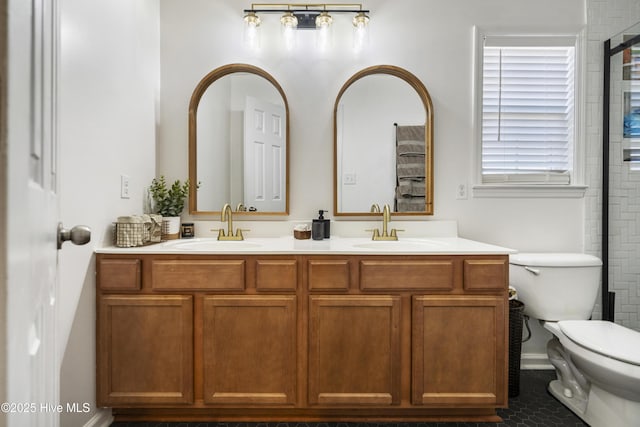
<point x="249" y="350"/>
<point x="354" y="350"/>
<point x="458" y="348"/>
<point x="145" y="350"/>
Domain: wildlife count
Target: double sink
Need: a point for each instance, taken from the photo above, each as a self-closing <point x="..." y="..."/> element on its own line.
<point x="346" y="245"/>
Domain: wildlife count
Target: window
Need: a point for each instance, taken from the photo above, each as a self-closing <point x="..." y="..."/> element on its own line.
<point x="528" y="109"/>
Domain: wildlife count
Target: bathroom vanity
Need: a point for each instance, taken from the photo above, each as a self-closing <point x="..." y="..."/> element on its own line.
<point x="278" y="330"/>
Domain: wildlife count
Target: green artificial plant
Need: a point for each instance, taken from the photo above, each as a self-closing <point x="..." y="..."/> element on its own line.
<point x="168" y="201"/>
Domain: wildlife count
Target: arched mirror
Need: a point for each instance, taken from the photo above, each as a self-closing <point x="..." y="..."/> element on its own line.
<point x="239" y="143"/>
<point x="383" y="143"/>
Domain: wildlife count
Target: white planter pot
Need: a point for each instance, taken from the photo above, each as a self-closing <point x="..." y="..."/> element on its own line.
<point x="170" y="227"/>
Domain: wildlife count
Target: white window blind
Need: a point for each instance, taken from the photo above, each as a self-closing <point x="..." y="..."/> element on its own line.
<point x="528" y="114"/>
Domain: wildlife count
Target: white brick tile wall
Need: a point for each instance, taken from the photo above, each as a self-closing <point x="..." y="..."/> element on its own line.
<point x="607" y="18"/>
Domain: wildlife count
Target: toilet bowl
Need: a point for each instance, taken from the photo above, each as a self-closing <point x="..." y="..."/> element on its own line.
<point x="597" y="362"/>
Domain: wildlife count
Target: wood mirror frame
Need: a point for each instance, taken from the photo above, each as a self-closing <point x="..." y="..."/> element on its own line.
<point x="424" y="96"/>
<point x="198" y="92"/>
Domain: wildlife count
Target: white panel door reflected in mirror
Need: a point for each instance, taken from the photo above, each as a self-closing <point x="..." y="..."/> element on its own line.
<point x="238" y="142"/>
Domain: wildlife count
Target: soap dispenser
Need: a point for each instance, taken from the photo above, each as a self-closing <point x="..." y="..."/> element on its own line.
<point x="321" y="226"/>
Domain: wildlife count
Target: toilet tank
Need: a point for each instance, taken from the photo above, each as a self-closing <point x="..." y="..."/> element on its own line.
<point x="556" y="286"/>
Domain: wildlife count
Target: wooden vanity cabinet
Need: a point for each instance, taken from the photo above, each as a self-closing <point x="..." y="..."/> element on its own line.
<point x="302" y="337"/>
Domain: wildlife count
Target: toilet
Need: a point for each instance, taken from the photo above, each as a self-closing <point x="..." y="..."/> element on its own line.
<point x="597" y="362"/>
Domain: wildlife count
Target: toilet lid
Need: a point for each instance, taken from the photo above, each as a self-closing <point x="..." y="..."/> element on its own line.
<point x="533" y="259"/>
<point x="606" y="338"/>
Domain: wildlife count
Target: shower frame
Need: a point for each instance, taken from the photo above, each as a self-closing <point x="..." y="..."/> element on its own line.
<point x="608" y="297"/>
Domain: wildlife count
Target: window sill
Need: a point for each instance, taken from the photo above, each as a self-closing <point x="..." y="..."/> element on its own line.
<point x="529" y="191"/>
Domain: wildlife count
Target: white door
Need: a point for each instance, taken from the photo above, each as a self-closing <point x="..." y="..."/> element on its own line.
<point x="264" y="156"/>
<point x="33" y="371"/>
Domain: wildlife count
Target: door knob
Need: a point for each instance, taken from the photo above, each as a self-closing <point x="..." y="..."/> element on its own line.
<point x="79" y="235"/>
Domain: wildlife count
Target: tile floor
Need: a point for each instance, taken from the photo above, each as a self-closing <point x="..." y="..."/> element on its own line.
<point x="534" y="407"/>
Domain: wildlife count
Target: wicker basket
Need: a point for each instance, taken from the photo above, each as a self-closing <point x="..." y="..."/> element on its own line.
<point x="516" y="309"/>
<point x="137" y="230"/>
<point x="130" y="234"/>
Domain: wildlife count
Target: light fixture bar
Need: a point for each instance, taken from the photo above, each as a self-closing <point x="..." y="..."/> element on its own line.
<point x="285" y="7"/>
<point x="280" y="7"/>
<point x="306" y="16"/>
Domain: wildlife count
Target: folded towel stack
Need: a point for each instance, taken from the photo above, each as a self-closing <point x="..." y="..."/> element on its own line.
<point x="410" y="168"/>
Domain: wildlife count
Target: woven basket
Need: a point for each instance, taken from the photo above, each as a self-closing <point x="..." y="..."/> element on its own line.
<point x="129" y="235"/>
<point x="516" y="309"/>
<point x="137" y="230"/>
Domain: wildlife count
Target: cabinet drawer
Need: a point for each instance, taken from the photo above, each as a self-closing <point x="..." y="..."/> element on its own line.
<point x="276" y="275"/>
<point x="406" y="275"/>
<point x="485" y="275"/>
<point x="329" y="275"/>
<point x="223" y="275"/>
<point x="119" y="274"/>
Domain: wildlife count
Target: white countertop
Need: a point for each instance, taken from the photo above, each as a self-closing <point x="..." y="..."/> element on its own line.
<point x="334" y="245"/>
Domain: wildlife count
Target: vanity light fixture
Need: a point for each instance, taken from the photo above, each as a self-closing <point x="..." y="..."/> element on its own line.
<point x="252" y="20"/>
<point x="306" y="16"/>
<point x="324" y="20"/>
<point x="361" y="20"/>
<point x="289" y="20"/>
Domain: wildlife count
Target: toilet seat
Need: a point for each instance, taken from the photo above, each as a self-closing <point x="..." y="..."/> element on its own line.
<point x="606" y="338"/>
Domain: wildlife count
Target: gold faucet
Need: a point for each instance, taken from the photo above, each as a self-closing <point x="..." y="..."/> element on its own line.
<point x="227" y="215"/>
<point x="375" y="208"/>
<point x="386" y="217"/>
<point x="241" y="207"/>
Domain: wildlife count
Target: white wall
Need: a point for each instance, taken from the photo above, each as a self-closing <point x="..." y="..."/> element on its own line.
<point x="432" y="39"/>
<point x="213" y="128"/>
<point x="108" y="93"/>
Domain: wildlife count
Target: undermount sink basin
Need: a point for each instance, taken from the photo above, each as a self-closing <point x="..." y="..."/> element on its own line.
<point x="213" y="245"/>
<point x="400" y="245"/>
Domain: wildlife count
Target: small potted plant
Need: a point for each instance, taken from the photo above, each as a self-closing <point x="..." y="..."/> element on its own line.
<point x="169" y="202"/>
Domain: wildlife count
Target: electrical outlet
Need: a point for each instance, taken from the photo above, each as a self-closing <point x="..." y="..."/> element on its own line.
<point x="349" y="179"/>
<point x="124" y="187"/>
<point x="461" y="192"/>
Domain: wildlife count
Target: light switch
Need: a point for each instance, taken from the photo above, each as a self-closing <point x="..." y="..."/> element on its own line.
<point x="124" y="187"/>
<point x="349" y="179"/>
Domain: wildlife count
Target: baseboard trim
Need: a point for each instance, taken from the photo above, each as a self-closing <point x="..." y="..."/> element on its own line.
<point x="102" y="418"/>
<point x="533" y="361"/>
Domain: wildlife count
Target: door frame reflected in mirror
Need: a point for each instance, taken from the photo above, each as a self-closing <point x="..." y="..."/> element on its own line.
<point x="424" y="96"/>
<point x="198" y="92"/>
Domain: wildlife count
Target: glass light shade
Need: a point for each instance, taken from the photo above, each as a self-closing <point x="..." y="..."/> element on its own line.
<point x="288" y="20"/>
<point x="252" y="20"/>
<point x="323" y="20"/>
<point x="360" y="20"/>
